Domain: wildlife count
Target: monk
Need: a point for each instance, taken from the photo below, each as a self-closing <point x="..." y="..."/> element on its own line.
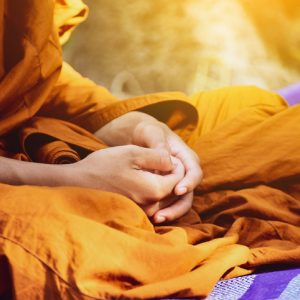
<point x="104" y="199"/>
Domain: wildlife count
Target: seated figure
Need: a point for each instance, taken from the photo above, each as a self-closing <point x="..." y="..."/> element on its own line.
<point x="155" y="196"/>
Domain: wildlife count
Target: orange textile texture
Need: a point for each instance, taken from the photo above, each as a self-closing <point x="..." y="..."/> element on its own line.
<point x="101" y="245"/>
<point x="78" y="243"/>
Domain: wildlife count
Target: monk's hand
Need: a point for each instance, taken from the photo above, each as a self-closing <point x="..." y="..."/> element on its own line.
<point x="156" y="135"/>
<point x="131" y="171"/>
<point x="144" y="130"/>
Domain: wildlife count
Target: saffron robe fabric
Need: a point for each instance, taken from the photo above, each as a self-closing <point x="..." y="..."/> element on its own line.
<point x="78" y="243"/>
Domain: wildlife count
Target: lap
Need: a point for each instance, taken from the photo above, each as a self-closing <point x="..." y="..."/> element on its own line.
<point x="222" y="105"/>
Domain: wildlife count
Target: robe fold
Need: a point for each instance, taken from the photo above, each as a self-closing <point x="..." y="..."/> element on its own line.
<point x="79" y="243"/>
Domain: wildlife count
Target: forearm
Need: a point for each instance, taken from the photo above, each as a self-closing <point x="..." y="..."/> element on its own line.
<point x="120" y="131"/>
<point x="16" y="172"/>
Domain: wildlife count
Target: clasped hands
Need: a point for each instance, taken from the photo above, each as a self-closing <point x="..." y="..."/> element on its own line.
<point x="147" y="163"/>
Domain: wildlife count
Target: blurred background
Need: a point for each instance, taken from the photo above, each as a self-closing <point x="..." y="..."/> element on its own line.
<point x="135" y="47"/>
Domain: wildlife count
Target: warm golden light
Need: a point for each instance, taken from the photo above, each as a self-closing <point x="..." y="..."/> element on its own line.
<point x="136" y="47"/>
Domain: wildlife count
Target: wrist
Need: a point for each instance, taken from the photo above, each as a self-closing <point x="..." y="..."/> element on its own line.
<point x="46" y="175"/>
<point x="29" y="173"/>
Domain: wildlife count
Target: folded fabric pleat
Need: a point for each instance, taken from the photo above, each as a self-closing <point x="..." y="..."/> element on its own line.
<point x="56" y="152"/>
<point x="50" y="141"/>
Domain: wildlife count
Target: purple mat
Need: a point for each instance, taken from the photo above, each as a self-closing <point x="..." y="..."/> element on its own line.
<point x="283" y="284"/>
<point x="291" y="93"/>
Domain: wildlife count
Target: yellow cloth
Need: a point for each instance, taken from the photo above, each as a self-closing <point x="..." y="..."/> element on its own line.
<point x="76" y="243"/>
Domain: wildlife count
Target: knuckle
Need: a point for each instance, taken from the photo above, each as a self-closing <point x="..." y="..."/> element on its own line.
<point x="145" y="128"/>
<point x="140" y="127"/>
<point x="157" y="194"/>
<point x="163" y="160"/>
<point x="138" y="161"/>
<point x="132" y="149"/>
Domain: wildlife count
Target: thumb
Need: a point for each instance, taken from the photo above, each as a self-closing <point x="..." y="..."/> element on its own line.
<point x="153" y="159"/>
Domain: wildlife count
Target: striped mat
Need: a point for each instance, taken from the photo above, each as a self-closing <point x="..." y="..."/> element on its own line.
<point x="283" y="285"/>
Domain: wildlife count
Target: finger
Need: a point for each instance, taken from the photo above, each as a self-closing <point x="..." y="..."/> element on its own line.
<point x="177" y="174"/>
<point x="161" y="186"/>
<point x="151" y="209"/>
<point x="190" y="181"/>
<point x="155" y="138"/>
<point x="150" y="159"/>
<point x="151" y="136"/>
<point x="192" y="178"/>
<point x="176" y="210"/>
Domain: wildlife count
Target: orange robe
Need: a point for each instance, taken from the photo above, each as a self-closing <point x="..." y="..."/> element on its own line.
<point x="77" y="243"/>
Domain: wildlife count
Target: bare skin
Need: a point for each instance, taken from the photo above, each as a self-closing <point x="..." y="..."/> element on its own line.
<point x="130" y="170"/>
<point x="146" y="162"/>
<point x="143" y="130"/>
<point x="117" y="169"/>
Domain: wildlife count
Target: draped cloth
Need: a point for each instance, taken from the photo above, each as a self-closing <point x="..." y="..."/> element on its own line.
<point x="79" y="243"/>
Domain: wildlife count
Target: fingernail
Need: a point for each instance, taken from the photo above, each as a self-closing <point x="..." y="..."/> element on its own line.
<point x="182" y="190"/>
<point x="160" y="219"/>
